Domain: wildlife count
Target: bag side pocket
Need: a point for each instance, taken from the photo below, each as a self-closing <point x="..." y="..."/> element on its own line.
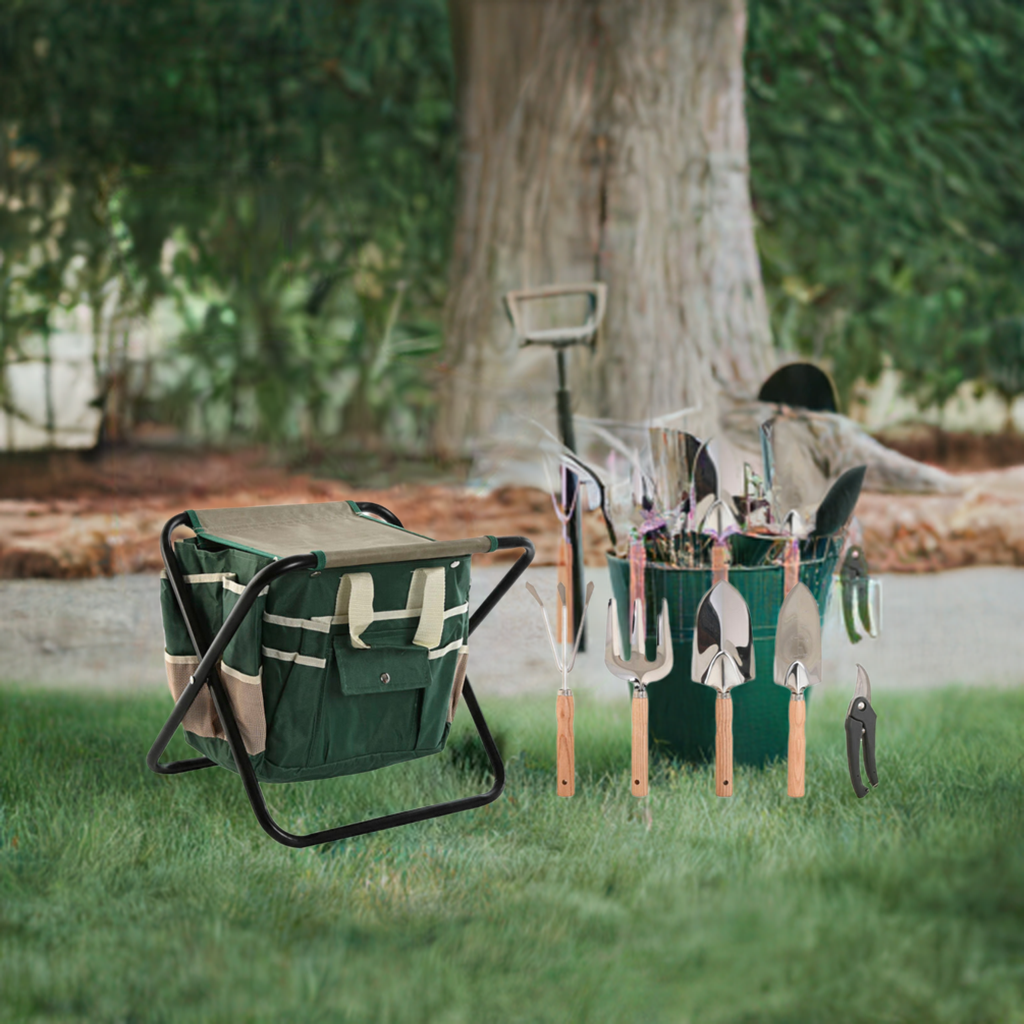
<point x="180" y="663"/>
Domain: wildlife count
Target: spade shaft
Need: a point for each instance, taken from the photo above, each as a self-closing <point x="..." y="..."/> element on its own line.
<point x="797" y="752"/>
<point x="723" y="744"/>
<point x="566" y="745"/>
<point x="639" y="748"/>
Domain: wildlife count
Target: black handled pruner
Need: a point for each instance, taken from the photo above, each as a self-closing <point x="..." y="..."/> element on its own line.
<point x="860" y="728"/>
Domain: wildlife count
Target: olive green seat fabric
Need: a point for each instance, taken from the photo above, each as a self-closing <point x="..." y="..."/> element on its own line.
<point x="336" y="670"/>
<point x="681" y="712"/>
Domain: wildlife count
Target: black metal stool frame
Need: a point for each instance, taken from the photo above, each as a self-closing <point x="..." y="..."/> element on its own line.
<point x="209" y="653"/>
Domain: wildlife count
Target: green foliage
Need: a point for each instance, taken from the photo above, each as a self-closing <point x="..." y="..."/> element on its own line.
<point x="128" y="896"/>
<point x="887" y="167"/>
<point x="281" y="176"/>
<point x="281" y="172"/>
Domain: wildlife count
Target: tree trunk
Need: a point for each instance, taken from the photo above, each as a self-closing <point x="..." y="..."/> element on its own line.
<point x="603" y="140"/>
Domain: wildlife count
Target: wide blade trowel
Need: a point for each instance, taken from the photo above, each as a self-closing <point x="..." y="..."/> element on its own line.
<point x="797" y="666"/>
<point x="723" y="657"/>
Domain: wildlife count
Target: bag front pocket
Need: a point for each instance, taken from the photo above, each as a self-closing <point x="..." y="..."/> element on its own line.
<point x="373" y="701"/>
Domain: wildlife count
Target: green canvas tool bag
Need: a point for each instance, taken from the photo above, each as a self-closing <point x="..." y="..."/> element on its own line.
<point x="681" y="712"/>
<point x="333" y="670"/>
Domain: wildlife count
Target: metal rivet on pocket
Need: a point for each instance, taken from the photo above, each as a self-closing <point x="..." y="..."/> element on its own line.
<point x="455" y="565"/>
<point x="385" y="678"/>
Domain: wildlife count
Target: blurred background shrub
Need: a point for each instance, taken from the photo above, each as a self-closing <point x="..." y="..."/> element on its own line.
<point x="264" y="188"/>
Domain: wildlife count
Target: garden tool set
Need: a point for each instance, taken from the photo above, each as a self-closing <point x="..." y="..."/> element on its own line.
<point x="565" y="663"/>
<point x="671" y="518"/>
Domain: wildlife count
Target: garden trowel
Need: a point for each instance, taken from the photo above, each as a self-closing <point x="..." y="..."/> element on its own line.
<point x="638" y="670"/>
<point x="723" y="657"/>
<point x="797" y="666"/>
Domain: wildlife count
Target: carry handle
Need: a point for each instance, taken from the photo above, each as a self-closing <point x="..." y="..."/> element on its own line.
<point x="380" y="512"/>
<point x="557" y="336"/>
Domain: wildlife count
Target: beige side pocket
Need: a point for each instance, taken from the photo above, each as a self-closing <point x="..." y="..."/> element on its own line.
<point x="201" y="718"/>
<point x="245" y="693"/>
<point x="460" y="678"/>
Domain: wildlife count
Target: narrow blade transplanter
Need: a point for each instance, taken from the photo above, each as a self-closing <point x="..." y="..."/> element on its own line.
<point x="797" y="666"/>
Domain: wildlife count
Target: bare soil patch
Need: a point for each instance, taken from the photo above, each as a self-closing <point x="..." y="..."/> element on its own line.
<point x="67" y="516"/>
<point x="63" y="515"/>
<point x="957" y="452"/>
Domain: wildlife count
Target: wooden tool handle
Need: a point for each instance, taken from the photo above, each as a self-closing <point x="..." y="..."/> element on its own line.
<point x="797" y="747"/>
<point x="566" y="746"/>
<point x="791" y="562"/>
<point x="719" y="563"/>
<point x="639" y="745"/>
<point x="723" y="746"/>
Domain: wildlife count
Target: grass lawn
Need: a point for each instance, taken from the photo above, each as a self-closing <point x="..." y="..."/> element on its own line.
<point x="129" y="897"/>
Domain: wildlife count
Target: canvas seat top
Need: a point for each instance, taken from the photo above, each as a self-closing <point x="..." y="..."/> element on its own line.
<point x="337" y="532"/>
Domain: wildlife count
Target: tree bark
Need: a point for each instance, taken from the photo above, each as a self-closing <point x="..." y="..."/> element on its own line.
<point x="603" y="140"/>
<point x="832" y="444"/>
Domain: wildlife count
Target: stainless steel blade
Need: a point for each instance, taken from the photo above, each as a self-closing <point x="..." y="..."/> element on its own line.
<point x="637" y="667"/>
<point x="673" y="470"/>
<point x="863" y="687"/>
<point x="798" y="641"/>
<point x="768" y="459"/>
<point x="704" y="491"/>
<point x="723" y="628"/>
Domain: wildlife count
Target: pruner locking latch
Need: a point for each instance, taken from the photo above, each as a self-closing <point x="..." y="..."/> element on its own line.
<point x="860" y="728"/>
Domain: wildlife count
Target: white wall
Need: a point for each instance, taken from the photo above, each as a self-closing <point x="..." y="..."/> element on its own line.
<point x="73" y="388"/>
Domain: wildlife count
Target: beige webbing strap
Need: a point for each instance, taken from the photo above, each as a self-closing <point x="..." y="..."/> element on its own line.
<point x="426" y="592"/>
<point x="355" y="600"/>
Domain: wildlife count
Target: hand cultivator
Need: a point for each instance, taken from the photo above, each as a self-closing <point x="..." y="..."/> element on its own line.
<point x="638" y="670"/>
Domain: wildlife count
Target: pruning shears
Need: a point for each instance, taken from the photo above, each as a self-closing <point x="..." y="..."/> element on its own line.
<point x="860" y="729"/>
<point x="861" y="597"/>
